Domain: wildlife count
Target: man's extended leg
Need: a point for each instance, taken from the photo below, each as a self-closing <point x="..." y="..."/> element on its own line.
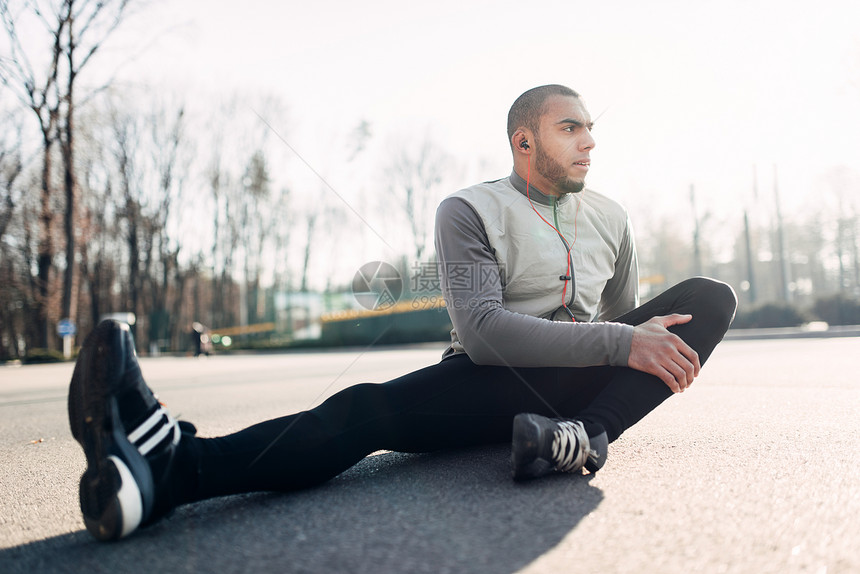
<point x="141" y="463"/>
<point x="454" y="403"/>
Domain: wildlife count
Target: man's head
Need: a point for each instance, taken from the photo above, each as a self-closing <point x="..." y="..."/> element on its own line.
<point x="551" y="123"/>
<point x="527" y="109"/>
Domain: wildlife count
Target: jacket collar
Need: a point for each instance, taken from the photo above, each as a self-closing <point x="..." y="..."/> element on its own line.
<point x="534" y="193"/>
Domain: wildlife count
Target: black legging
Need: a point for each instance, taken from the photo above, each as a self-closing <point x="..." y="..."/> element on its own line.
<point x="454" y="403"/>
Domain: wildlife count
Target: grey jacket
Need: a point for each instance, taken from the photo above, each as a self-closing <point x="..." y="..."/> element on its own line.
<point x="504" y="272"/>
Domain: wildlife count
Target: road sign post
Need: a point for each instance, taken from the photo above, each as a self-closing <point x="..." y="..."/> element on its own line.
<point x="66" y="329"/>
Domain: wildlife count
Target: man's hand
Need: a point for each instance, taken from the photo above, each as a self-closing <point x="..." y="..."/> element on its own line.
<point x="658" y="352"/>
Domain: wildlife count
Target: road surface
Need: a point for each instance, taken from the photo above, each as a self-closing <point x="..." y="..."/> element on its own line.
<point x="754" y="469"/>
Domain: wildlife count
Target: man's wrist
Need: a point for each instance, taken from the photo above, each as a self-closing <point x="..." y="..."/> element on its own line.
<point x="620" y="355"/>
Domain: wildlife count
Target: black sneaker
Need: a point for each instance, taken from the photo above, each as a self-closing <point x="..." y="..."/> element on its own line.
<point x="128" y="437"/>
<point x="542" y="445"/>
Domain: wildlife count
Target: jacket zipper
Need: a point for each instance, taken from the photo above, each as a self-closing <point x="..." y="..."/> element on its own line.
<point x="554" y="202"/>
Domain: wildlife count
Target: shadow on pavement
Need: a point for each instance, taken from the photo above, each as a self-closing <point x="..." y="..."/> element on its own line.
<point x="442" y="512"/>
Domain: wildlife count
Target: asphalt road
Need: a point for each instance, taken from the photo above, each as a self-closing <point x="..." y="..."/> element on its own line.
<point x="754" y="469"/>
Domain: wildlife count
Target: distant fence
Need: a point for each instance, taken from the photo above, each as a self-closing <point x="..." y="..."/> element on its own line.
<point x="245" y="329"/>
<point x="399" y="324"/>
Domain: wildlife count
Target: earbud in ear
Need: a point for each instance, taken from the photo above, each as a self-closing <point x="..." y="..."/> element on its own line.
<point x="525" y="144"/>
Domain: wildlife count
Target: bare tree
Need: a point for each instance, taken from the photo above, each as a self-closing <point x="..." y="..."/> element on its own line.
<point x="311" y="220"/>
<point x="77" y="30"/>
<point x="283" y="221"/>
<point x="85" y="25"/>
<point x="11" y="167"/>
<point x="414" y="180"/>
<point x="170" y="163"/>
<point x="257" y="226"/>
<point x="224" y="241"/>
<point x="42" y="96"/>
<point x="126" y="140"/>
<point x="11" y="289"/>
<point x="842" y="205"/>
<point x="98" y="228"/>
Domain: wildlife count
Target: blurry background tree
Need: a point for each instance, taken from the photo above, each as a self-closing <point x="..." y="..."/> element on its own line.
<point x="75" y="30"/>
<point x="415" y="175"/>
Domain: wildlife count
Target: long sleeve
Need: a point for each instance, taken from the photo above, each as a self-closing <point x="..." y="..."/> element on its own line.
<point x="490" y="333"/>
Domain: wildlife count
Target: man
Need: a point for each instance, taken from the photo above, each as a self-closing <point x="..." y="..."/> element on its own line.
<point x="549" y="350"/>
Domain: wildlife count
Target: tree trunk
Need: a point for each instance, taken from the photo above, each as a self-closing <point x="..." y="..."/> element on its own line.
<point x="312" y="221"/>
<point x="67" y="144"/>
<point x="45" y="259"/>
<point x="69" y="309"/>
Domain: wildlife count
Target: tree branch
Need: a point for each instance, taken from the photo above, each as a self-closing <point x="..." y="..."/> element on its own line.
<point x="117" y="19"/>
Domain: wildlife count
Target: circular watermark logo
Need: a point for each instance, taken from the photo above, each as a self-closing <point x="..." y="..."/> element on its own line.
<point x="377" y="285"/>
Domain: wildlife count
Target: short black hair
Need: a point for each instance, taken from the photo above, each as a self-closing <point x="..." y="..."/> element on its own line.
<point x="527" y="108"/>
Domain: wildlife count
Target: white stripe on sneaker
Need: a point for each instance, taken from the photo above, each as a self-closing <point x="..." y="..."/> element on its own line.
<point x="147" y="425"/>
<point x="168" y="425"/>
<point x="153" y="440"/>
<point x="156" y="439"/>
<point x="177" y="434"/>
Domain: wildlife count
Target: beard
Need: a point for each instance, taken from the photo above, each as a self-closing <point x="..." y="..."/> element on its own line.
<point x="554" y="172"/>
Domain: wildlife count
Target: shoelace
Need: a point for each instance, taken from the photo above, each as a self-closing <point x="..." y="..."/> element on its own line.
<point x="569" y="445"/>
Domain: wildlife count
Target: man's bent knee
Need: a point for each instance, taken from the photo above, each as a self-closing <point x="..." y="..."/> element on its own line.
<point x="717" y="295"/>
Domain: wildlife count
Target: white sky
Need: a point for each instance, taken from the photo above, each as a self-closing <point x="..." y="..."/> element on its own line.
<point x="689" y="92"/>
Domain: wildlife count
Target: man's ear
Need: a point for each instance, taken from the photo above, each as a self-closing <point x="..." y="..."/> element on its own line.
<point x="520" y="141"/>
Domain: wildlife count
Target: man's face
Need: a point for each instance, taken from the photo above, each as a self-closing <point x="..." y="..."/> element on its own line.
<point x="564" y="143"/>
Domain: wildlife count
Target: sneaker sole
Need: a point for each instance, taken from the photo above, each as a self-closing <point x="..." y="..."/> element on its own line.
<point x="598" y="445"/>
<point x="116" y="490"/>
